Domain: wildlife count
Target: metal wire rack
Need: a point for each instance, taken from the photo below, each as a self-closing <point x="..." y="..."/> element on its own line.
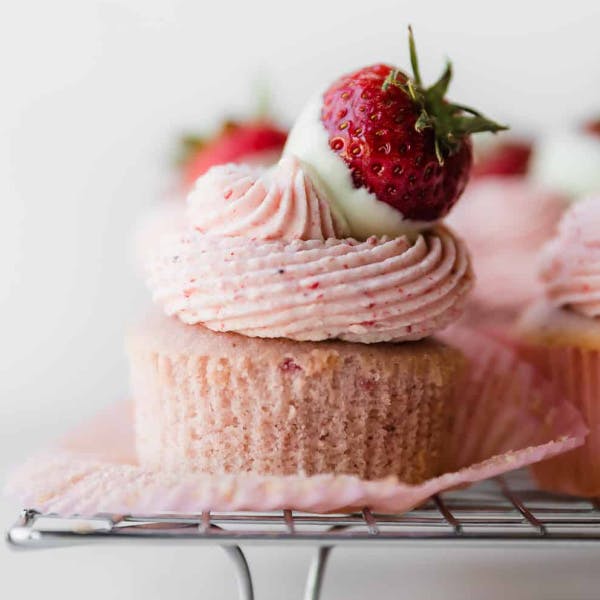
<point x="502" y="510"/>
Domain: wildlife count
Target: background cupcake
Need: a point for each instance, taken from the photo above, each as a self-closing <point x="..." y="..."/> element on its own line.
<point x="561" y="333"/>
<point x="505" y="220"/>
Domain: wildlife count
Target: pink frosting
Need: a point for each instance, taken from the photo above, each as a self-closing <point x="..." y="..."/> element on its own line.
<point x="378" y="290"/>
<point x="281" y="203"/>
<point x="570" y="267"/>
<point x="265" y="255"/>
<point x="505" y="221"/>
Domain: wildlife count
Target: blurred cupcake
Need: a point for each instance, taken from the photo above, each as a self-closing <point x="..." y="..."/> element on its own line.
<point x="504" y="220"/>
<point x="569" y="161"/>
<point x="561" y="333"/>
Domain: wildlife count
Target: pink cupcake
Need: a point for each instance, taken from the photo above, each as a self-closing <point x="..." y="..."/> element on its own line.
<point x="250" y="377"/>
<point x="301" y="300"/>
<point x="561" y="333"/>
<point x="298" y="363"/>
<point x="505" y="221"/>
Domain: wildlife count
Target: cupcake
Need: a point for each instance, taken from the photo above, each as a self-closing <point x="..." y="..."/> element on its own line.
<point x="561" y="333"/>
<point x="300" y="302"/>
<point x="505" y="221"/>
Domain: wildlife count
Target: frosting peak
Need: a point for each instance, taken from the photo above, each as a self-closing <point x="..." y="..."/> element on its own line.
<point x="382" y="289"/>
<point x="570" y="266"/>
<point x="280" y="203"/>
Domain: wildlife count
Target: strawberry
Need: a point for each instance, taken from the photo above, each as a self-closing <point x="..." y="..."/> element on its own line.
<point x="506" y="158"/>
<point x="592" y="127"/>
<point x="235" y="142"/>
<point x="403" y="142"/>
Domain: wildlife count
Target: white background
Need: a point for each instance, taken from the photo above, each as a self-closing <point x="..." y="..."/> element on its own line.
<point x="92" y="95"/>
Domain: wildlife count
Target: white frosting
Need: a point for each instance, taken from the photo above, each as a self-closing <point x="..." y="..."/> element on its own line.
<point x="568" y="162"/>
<point x="365" y="214"/>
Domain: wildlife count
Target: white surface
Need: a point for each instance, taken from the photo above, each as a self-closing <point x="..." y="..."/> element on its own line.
<point x="92" y="94"/>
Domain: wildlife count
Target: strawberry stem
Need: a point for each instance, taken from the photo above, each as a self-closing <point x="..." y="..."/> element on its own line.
<point x="451" y="122"/>
<point x="414" y="60"/>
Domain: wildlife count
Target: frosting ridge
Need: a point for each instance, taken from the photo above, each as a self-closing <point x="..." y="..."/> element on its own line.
<point x="570" y="263"/>
<point x="381" y="289"/>
<point x="280" y="203"/>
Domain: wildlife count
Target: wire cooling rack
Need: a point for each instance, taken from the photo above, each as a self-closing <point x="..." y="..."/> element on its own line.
<point x="506" y="510"/>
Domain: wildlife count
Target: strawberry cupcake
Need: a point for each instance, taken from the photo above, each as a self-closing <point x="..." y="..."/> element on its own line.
<point x="300" y="302"/>
<point x="561" y="333"/>
<point x="505" y="220"/>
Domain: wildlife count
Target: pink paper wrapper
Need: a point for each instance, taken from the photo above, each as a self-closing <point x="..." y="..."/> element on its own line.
<point x="506" y="416"/>
<point x="576" y="374"/>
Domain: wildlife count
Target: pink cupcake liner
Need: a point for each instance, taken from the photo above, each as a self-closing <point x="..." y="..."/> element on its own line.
<point x="506" y="416"/>
<point x="576" y="373"/>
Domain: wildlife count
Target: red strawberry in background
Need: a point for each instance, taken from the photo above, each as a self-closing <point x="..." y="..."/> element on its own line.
<point x="592" y="127"/>
<point x="403" y="144"/>
<point x="257" y="140"/>
<point x="505" y="158"/>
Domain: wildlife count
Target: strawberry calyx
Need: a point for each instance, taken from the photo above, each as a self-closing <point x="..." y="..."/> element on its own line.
<point x="450" y="122"/>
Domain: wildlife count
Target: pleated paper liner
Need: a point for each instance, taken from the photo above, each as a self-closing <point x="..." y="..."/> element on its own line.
<point x="506" y="416"/>
<point x="575" y="372"/>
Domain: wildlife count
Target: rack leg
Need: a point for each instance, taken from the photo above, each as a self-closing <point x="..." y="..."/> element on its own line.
<point x="242" y="572"/>
<point x="316" y="573"/>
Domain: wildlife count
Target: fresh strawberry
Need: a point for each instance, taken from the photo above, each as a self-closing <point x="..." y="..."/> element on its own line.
<point x="235" y="142"/>
<point x="401" y="141"/>
<point x="505" y="158"/>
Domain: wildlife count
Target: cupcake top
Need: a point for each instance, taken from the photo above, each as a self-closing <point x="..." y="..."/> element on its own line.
<point x="278" y="204"/>
<point x="342" y="238"/>
<point x="505" y="221"/>
<point x="570" y="265"/>
<point x="266" y="256"/>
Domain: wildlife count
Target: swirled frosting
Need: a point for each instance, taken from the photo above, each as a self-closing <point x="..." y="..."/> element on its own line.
<point x="265" y="255"/>
<point x="505" y="221"/>
<point x="570" y="265"/>
<point x="382" y="289"/>
<point x="281" y="203"/>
